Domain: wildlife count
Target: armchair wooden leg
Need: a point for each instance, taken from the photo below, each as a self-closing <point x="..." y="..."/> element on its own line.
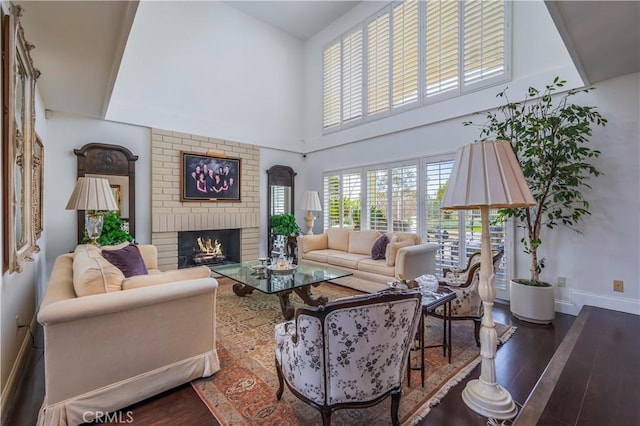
<point x="476" y="330"/>
<point x="395" y="405"/>
<point x="326" y="416"/>
<point x="280" y="382"/>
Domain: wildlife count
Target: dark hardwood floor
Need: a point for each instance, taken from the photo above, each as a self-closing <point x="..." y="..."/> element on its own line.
<point x="607" y="353"/>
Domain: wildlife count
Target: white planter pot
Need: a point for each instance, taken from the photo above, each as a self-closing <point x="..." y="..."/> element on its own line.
<point x="532" y="304"/>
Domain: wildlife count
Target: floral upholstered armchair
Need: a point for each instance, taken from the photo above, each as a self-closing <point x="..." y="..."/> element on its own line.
<point x="467" y="305"/>
<point x="350" y="353"/>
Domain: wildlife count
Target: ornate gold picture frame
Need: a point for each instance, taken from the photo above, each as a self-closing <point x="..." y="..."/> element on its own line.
<point x="21" y="229"/>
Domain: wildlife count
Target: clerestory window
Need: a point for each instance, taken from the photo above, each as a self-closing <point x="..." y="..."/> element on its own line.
<point x="412" y="53"/>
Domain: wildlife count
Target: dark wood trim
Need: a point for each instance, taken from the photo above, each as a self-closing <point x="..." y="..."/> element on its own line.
<point x="106" y="159"/>
<point x="5" y="141"/>
<point x="281" y="176"/>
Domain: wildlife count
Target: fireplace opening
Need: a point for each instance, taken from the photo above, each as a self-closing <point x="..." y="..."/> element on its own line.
<point x="208" y="247"/>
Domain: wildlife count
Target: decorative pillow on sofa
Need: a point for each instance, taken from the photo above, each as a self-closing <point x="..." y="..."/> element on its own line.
<point x="128" y="259"/>
<point x="171" y="276"/>
<point x="379" y="248"/>
<point x="393" y="251"/>
<point x="92" y="274"/>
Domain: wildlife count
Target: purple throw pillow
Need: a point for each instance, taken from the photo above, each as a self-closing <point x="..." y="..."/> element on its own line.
<point x="379" y="247"/>
<point x="128" y="259"/>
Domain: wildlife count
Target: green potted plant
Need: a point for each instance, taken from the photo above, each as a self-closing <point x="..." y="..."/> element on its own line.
<point x="284" y="224"/>
<point x="113" y="231"/>
<point x="549" y="136"/>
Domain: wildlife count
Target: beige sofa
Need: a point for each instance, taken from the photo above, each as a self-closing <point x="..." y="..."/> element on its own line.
<point x="108" y="350"/>
<point x="405" y="257"/>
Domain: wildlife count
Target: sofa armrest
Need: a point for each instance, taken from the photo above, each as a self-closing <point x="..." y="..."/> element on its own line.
<point x="414" y="261"/>
<point x="102" y="304"/>
<point x="94" y="342"/>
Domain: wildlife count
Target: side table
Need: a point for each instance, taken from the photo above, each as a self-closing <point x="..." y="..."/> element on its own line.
<point x="443" y="297"/>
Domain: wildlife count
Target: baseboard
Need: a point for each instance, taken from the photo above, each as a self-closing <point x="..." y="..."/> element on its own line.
<point x="16" y="371"/>
<point x="577" y="299"/>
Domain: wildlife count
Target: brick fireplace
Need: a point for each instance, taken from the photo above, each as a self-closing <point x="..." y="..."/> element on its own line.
<point x="170" y="215"/>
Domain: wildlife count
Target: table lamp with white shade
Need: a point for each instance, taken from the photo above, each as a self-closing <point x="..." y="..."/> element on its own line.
<point x="94" y="196"/>
<point x="311" y="203"/>
<point x="487" y="175"/>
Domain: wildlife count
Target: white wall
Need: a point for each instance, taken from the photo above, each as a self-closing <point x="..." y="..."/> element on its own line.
<point x="65" y="133"/>
<point x="535" y="61"/>
<point x="234" y="77"/>
<point x="20" y="293"/>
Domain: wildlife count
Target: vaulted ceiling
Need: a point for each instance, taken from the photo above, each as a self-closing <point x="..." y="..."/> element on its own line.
<point x="79" y="44"/>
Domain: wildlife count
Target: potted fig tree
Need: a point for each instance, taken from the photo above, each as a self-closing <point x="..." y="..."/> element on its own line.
<point x="549" y="136"/>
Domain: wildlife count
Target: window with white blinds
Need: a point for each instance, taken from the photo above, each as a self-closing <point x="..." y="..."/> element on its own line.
<point x="442" y="43"/>
<point x="411" y="53"/>
<point x="484" y="39"/>
<point x="352" y="76"/>
<point x="404" y="48"/>
<point x="331" y="102"/>
<point x="378" y="199"/>
<point x="378" y="64"/>
<point x="404" y="198"/>
<point x="342" y="200"/>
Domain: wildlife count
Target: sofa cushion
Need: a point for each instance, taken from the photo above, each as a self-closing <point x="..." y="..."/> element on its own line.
<point x="174" y="275"/>
<point x="346" y="260"/>
<point x="392" y="239"/>
<point x="393" y="250"/>
<point x="379" y="267"/>
<point x="314" y="242"/>
<point x="320" y="255"/>
<point x="379" y="248"/>
<point x="360" y="242"/>
<point x="404" y="236"/>
<point x="128" y="259"/>
<point x="92" y="273"/>
<point x="338" y="238"/>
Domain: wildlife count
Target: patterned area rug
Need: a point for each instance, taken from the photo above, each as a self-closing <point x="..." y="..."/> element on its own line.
<point x="243" y="392"/>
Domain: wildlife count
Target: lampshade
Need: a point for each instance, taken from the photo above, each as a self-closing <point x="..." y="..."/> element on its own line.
<point x="310" y="201"/>
<point x="92" y="194"/>
<point x="486" y="174"/>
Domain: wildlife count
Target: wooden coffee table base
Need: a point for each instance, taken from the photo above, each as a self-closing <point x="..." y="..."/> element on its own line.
<point x="288" y="310"/>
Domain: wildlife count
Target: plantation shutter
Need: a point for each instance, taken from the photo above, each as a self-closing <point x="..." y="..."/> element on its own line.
<point x="484" y="40"/>
<point x="377" y="199"/>
<point x="442" y="46"/>
<point x="378" y="64"/>
<point x="405" y="59"/>
<point x="278" y="199"/>
<point x="351" y="206"/>
<point x="441" y="225"/>
<point x="352" y="76"/>
<point x="404" y="198"/>
<point x="331" y="201"/>
<point x="331" y="86"/>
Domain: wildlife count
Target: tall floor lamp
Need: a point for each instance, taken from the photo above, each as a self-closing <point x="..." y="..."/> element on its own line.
<point x="487" y="175"/>
<point x="311" y="203"/>
<point x="95" y="197"/>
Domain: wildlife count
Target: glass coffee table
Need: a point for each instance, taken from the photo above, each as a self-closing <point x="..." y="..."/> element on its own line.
<point x="250" y="276"/>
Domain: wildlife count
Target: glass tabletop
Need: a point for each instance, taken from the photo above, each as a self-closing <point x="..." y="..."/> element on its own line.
<point x="275" y="281"/>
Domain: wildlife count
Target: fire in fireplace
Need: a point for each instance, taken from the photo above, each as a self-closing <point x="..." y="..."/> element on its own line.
<point x="208" y="247"/>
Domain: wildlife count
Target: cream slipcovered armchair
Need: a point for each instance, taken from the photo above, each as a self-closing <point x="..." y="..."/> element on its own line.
<point x="349" y="353"/>
<point x="110" y="342"/>
<point x="467" y="305"/>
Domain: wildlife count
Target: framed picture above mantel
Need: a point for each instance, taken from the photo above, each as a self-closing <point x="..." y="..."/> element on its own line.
<point x="209" y="177"/>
